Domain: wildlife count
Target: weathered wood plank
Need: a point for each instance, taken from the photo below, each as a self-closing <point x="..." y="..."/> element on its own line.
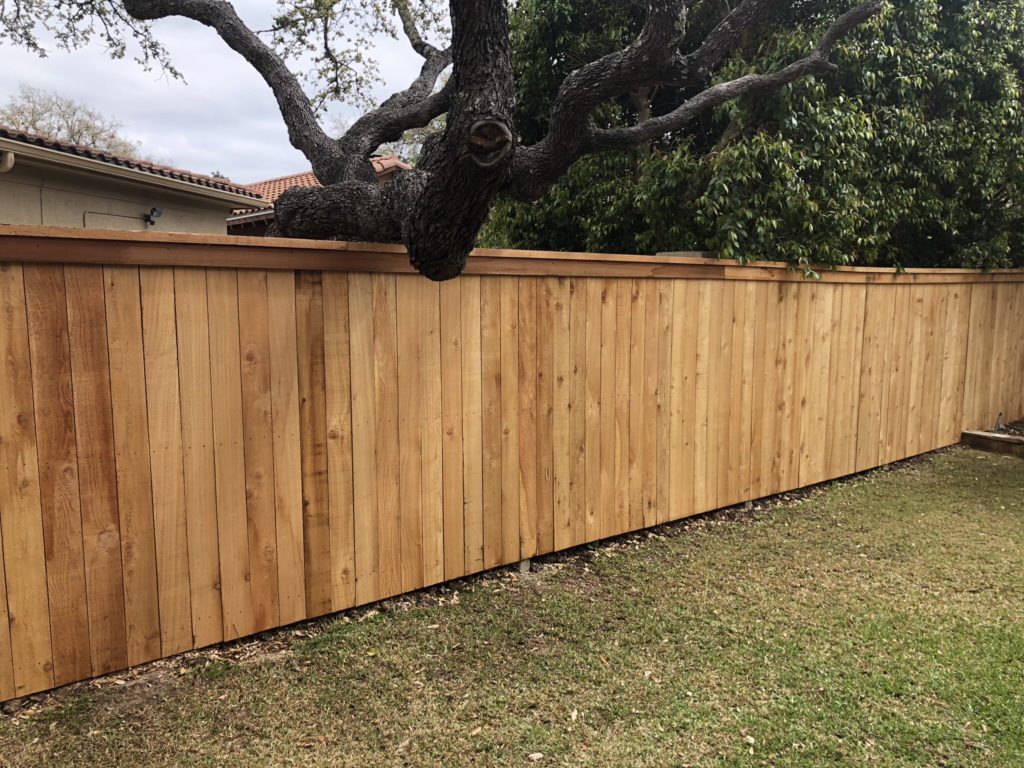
<point x="229" y="452"/>
<point x="132" y="459"/>
<point x="452" y="444"/>
<point x="193" y="336"/>
<point x="163" y="401"/>
<point x="21" y="525"/>
<point x="46" y="302"/>
<point x="284" y="400"/>
<point x="97" y="481"/>
<point x="472" y="424"/>
<point x="364" y="437"/>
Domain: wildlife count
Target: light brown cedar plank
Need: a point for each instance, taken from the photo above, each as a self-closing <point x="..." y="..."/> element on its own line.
<point x="193" y="336"/>
<point x="837" y="433"/>
<point x="719" y="376"/>
<point x="936" y="321"/>
<point x="688" y="307"/>
<point x="759" y="378"/>
<point x="545" y="379"/>
<point x="854" y="310"/>
<point x="58" y="471"/>
<point x="7" y="690"/>
<point x="338" y="410"/>
<point x="592" y="447"/>
<point x="868" y="383"/>
<point x="896" y="370"/>
<point x="802" y="437"/>
<point x="814" y="427"/>
<point x="316" y="515"/>
<point x="411" y="400"/>
<point x="997" y="357"/>
<point x="94" y="429"/>
<point x="607" y="498"/>
<point x="21" y="525"/>
<point x="776" y="394"/>
<point x="787" y="391"/>
<point x="637" y="401"/>
<point x="284" y="396"/>
<point x="389" y="544"/>
<point x="562" y="525"/>
<point x="229" y="452"/>
<point x="258" y="433"/>
<point x="680" y="475"/>
<point x="453" y="497"/>
<point x="131" y="446"/>
<point x="650" y="408"/>
<point x="737" y="405"/>
<point x="977" y="369"/>
<point x="747" y="397"/>
<point x="431" y="504"/>
<point x="577" y="514"/>
<point x="491" y="423"/>
<point x="698" y="314"/>
<point x="912" y="435"/>
<point x="510" y="469"/>
<point x="622" y="368"/>
<point x="527" y="376"/>
<point x="472" y="413"/>
<point x="962" y="361"/>
<point x="364" y="437"/>
<point x="163" y="400"/>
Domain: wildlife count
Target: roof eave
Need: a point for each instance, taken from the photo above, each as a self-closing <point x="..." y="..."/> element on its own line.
<point x="55" y="157"/>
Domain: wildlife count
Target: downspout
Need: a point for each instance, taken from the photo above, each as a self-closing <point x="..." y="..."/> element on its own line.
<point x="6" y="161"/>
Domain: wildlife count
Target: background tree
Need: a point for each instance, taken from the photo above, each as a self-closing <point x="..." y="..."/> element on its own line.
<point x="907" y="154"/>
<point x="437" y="209"/>
<point x="47" y="113"/>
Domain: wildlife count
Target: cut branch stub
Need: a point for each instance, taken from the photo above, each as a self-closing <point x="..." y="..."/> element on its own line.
<point x="489" y="142"/>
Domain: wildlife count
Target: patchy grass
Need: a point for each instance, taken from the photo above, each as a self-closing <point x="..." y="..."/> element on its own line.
<point x="875" y="622"/>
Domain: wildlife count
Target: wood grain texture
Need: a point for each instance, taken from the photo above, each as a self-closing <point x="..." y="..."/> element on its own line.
<point x="163" y="401"/>
<point x="50" y="352"/>
<point x="132" y="459"/>
<point x="198" y="460"/>
<point x="21" y="525"/>
<point x="338" y="405"/>
<point x="97" y="481"/>
<point x="192" y="454"/>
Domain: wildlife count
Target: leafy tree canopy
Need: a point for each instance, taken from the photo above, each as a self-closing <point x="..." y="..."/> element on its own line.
<point x="908" y="153"/>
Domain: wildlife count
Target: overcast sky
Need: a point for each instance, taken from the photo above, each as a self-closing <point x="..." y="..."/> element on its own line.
<point x="223" y="118"/>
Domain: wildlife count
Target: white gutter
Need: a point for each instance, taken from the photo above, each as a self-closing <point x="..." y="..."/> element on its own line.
<point x="6" y="161"/>
<point x="245" y="218"/>
<point x="54" y="157"/>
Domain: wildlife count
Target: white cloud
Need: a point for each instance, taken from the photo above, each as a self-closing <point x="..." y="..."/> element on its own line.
<point x="223" y="118"/>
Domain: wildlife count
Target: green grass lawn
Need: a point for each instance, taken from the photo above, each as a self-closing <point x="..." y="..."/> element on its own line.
<point x="878" y="621"/>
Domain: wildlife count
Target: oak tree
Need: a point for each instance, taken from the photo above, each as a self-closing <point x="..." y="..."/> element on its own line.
<point x="438" y="208"/>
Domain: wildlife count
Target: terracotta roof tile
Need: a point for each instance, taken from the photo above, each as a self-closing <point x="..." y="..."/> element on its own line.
<point x="271" y="189"/>
<point x="155" y="169"/>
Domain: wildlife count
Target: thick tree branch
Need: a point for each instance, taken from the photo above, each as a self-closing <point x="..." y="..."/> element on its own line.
<point x="412" y="108"/>
<point x="304" y="132"/>
<point x="695" y="68"/>
<point x="817" y="61"/>
<point x="539" y="166"/>
<point x="421" y="46"/>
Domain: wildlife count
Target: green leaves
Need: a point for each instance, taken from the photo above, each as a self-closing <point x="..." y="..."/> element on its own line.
<point x="910" y="154"/>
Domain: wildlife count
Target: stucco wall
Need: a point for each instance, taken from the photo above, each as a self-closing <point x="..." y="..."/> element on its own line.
<point x="38" y="194"/>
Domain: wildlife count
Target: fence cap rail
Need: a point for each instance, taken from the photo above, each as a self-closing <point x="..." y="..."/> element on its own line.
<point x="57" y="245"/>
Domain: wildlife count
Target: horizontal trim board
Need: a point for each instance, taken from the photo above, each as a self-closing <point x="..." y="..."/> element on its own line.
<point x="113" y="248"/>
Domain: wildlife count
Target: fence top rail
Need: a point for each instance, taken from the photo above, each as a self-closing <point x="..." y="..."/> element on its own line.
<point x="54" y="245"/>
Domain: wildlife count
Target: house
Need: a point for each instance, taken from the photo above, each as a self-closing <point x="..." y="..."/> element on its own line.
<point x="254" y="222"/>
<point x="50" y="183"/>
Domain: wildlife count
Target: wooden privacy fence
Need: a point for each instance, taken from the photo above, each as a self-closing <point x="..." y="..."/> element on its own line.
<point x="202" y="438"/>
